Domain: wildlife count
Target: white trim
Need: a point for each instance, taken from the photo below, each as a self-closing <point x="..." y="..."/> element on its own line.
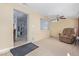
<point x="5" y="50"/>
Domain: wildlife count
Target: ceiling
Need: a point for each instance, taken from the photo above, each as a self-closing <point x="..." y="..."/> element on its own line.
<point x="52" y="9"/>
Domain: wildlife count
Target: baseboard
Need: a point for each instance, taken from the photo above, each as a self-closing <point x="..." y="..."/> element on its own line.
<point x="54" y="37"/>
<point x="5" y="50"/>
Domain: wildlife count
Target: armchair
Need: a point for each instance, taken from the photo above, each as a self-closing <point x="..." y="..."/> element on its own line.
<point x="67" y="36"/>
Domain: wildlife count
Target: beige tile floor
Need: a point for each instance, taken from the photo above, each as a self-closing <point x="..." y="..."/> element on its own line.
<point x="52" y="47"/>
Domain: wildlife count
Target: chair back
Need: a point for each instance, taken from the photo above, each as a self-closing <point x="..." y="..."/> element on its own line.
<point x="68" y="31"/>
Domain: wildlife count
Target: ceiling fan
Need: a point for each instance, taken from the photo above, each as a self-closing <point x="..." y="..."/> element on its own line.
<point x="57" y="17"/>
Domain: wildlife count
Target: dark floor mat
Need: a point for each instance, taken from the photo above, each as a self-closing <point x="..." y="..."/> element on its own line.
<point x="23" y="50"/>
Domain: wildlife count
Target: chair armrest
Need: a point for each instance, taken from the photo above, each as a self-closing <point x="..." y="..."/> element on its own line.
<point x="73" y="35"/>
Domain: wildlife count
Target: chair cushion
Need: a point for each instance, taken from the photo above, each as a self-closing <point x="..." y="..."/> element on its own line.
<point x="68" y="31"/>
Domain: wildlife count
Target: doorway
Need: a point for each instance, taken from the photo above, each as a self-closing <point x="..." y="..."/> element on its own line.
<point x="20" y="27"/>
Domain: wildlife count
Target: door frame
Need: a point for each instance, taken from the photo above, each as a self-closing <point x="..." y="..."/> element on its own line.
<point x="27" y="25"/>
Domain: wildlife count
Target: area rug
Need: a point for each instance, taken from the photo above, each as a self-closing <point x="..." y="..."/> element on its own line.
<point x="23" y="50"/>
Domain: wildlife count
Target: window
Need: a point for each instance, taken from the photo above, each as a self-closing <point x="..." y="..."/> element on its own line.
<point x="43" y="24"/>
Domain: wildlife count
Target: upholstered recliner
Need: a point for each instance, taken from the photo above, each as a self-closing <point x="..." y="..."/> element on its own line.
<point x="67" y="36"/>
